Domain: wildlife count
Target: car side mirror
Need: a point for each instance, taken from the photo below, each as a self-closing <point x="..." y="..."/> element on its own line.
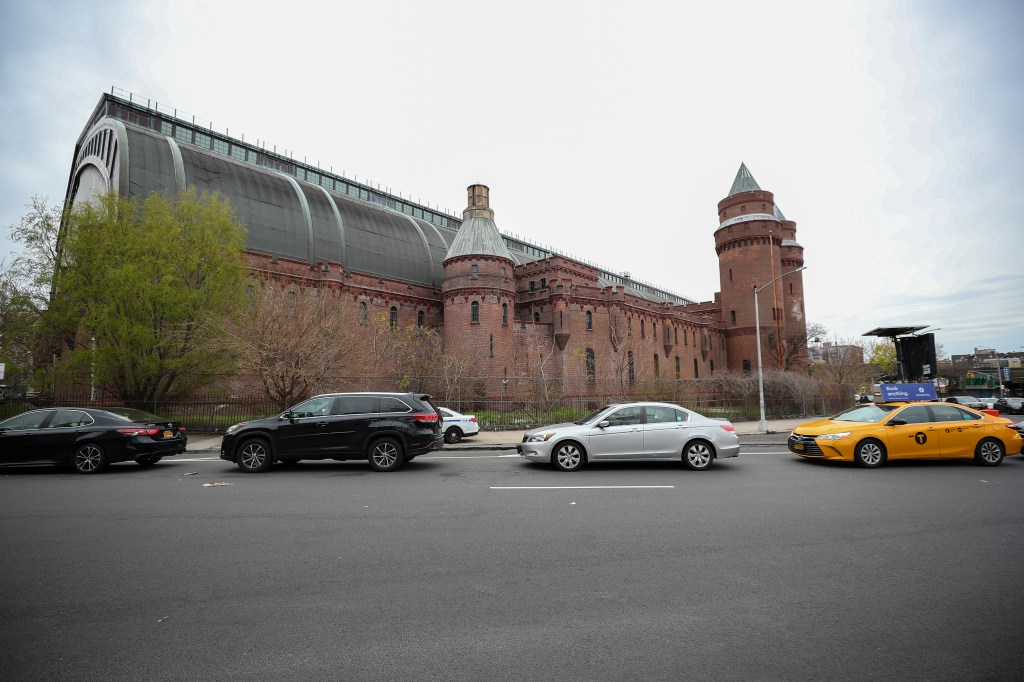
<point x="602" y="424"/>
<point x="896" y="422"/>
<point x="289" y="415"/>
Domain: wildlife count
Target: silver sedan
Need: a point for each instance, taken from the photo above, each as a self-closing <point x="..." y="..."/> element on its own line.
<point x="635" y="431"/>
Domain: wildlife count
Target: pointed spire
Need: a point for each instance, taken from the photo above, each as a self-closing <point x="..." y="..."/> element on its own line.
<point x="744" y="181"/>
<point x="778" y="213"/>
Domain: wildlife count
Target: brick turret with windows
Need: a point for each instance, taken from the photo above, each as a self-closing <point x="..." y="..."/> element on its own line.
<point x="479" y="290"/>
<point x="755" y="244"/>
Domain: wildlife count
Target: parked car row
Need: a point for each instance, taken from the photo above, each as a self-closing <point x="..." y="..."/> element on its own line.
<point x="389" y="429"/>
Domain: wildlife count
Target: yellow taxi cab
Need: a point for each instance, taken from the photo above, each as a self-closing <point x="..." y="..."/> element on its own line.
<point x="873" y="433"/>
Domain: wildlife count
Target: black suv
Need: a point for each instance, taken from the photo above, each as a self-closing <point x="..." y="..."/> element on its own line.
<point x="387" y="429"/>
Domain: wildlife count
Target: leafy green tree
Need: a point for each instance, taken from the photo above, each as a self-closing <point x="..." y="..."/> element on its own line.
<point x="136" y="285"/>
<point x="25" y="289"/>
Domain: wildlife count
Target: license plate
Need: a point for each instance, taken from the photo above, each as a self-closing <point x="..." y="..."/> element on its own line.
<point x="798" y="446"/>
<point x="168" y="434"/>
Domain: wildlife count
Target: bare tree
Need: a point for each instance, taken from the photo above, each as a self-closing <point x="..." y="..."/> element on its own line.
<point x="292" y="339"/>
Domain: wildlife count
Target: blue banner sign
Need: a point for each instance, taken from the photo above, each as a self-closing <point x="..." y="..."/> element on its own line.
<point x="904" y="392"/>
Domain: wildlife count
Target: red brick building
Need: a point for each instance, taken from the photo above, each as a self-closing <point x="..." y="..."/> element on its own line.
<point x="519" y="310"/>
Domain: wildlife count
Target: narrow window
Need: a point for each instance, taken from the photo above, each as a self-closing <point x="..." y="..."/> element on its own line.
<point x="746" y="366"/>
<point x="791" y="288"/>
<point x="675" y="333"/>
<point x="629" y="326"/>
<point x="590" y="320"/>
<point x="696" y="373"/>
<point x="730" y="274"/>
<point x="543" y="282"/>
<point x="654" y="330"/>
<point x="657" y="369"/>
<point x="679" y="374"/>
<point x="591" y="365"/>
<point x="712" y="366"/>
<point x="474" y="312"/>
<point x="643" y="335"/>
<point x="473" y="272"/>
<point x="394" y="316"/>
<point x="632" y="369"/>
<point x="536" y="316"/>
<point x="771" y="340"/>
<point x="492" y="345"/>
<point x="362" y="312"/>
<point x="533" y="286"/>
<point x="504" y="314"/>
<point x="733" y="314"/>
<point x="420" y="317"/>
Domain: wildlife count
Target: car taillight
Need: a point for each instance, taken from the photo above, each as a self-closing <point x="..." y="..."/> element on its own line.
<point x="426" y="417"/>
<point x="139" y="431"/>
<point x="181" y="429"/>
<point x="728" y="427"/>
<point x="473" y="419"/>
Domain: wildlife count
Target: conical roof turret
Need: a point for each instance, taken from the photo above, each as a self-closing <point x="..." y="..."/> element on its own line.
<point x="744" y="181"/>
<point x="478" y="235"/>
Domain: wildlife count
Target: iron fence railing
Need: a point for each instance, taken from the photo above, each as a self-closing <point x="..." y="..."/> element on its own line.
<point x="215" y="414"/>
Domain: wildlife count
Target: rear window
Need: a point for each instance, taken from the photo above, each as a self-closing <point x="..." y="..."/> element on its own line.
<point x="357" y="404"/>
<point x="392" y="405"/>
<point x="133" y="415"/>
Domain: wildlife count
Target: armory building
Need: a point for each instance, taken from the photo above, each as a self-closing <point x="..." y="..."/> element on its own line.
<point x="509" y="302"/>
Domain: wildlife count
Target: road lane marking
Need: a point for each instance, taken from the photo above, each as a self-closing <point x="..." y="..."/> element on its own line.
<point x="577" y="487"/>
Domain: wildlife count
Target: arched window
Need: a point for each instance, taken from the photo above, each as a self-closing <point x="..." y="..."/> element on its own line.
<point x="590" y="320"/>
<point x="696" y="373"/>
<point x="474" y="312"/>
<point x="504" y="314"/>
<point x="654" y="330"/>
<point x="420" y="317"/>
<point x="394" y="317"/>
<point x="362" y="312"/>
<point x="591" y="365"/>
<point x="536" y="316"/>
<point x="712" y="366"/>
<point x="643" y="334"/>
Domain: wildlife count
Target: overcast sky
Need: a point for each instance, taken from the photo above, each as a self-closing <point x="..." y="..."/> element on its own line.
<point x="891" y="132"/>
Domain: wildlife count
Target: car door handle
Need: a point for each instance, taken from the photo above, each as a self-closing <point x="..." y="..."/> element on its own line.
<point x="321" y="423"/>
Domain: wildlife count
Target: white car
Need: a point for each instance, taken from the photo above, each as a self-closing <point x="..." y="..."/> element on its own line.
<point x="633" y="431"/>
<point x="457" y="426"/>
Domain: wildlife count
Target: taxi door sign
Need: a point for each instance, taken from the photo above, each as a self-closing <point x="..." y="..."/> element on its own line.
<point x="903" y="392"/>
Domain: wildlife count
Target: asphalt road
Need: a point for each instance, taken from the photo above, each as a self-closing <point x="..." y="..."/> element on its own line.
<point x="476" y="565"/>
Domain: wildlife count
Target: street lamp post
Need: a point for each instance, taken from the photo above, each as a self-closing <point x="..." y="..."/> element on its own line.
<point x="762" y="426"/>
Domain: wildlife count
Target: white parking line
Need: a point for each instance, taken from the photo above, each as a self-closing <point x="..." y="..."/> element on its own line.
<point x="196" y="459"/>
<point x="577" y="487"/>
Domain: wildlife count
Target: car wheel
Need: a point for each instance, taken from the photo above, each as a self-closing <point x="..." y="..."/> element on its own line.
<point x="386" y="455"/>
<point x="254" y="456"/>
<point x="568" y="457"/>
<point x="869" y="454"/>
<point x="453" y="435"/>
<point x="698" y="455"/>
<point x="89" y="459"/>
<point x="989" y="452"/>
<point x="148" y="460"/>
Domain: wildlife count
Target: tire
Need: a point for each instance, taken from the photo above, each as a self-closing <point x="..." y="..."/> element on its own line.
<point x="989" y="452"/>
<point x="148" y="460"/>
<point x="254" y="456"/>
<point x="89" y="459"/>
<point x="698" y="455"/>
<point x="453" y="435"/>
<point x="385" y="455"/>
<point x="568" y="456"/>
<point x="869" y="454"/>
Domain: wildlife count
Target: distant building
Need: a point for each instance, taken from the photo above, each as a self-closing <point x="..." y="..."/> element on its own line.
<point x="503" y="299"/>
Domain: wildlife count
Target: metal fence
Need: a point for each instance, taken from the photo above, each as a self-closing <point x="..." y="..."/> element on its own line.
<point x="214" y="414"/>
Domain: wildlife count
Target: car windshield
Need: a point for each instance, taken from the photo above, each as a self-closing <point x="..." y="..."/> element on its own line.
<point x="593" y="416"/>
<point x="864" y="413"/>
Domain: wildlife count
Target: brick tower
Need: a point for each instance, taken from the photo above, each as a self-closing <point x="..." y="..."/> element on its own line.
<point x="755" y="244"/>
<point x="479" y="291"/>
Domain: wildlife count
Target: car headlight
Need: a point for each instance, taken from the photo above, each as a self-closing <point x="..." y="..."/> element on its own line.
<point x="540" y="437"/>
<point x="234" y="427"/>
<point x="833" y="436"/>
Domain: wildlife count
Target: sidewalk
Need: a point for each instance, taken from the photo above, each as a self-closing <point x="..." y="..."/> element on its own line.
<point x="778" y="429"/>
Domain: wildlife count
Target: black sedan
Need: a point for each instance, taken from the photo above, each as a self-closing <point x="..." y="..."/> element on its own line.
<point x="88" y="439"/>
<point x="1010" y="405"/>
